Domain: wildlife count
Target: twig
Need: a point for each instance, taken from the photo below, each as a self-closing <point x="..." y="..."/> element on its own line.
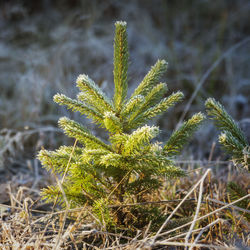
<point x="196" y="245"/>
<point x="204" y="216"/>
<point x="203" y="230"/>
<point x="205" y="162"/>
<point x="70" y="157"/>
<point x="197" y="208"/>
<point x="234" y="207"/>
<point x="194" y="231"/>
<point x="21" y="208"/>
<point x="207" y="73"/>
<point x="148" y="203"/>
<point x="170" y="216"/>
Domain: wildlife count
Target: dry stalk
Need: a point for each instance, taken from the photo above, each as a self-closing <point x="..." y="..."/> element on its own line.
<point x="204" y="216"/>
<point x="198" y="206"/>
<point x="174" y="211"/>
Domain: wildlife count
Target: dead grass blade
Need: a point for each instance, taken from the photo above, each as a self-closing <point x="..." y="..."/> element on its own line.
<point x="174" y="211"/>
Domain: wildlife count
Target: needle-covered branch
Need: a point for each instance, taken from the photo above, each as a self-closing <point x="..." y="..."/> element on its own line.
<point x="232" y="138"/>
<point x="120" y="64"/>
<point x="152" y="78"/>
<point x="181" y="136"/>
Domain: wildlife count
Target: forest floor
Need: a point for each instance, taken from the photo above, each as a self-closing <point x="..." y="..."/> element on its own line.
<point x="29" y="223"/>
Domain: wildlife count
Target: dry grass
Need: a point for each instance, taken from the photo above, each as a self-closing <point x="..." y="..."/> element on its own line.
<point x="27" y="223"/>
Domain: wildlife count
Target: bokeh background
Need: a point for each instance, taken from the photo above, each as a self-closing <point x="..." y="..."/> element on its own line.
<point x="45" y="45"/>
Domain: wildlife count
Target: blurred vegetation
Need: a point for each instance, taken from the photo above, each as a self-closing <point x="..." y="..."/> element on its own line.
<point x="44" y="45"/>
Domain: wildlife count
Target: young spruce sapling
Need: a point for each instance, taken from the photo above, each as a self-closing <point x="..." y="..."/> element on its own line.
<point x="129" y="167"/>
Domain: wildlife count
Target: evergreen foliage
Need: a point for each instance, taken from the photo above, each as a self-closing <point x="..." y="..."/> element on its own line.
<point x="231" y="137"/>
<point x="127" y="169"/>
<point x="236" y="192"/>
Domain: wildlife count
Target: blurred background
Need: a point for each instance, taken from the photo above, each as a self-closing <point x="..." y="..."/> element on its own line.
<point x="45" y="45"/>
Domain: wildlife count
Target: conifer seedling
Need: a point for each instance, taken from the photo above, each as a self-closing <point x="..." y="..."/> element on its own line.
<point x="235" y="144"/>
<point x="107" y="176"/>
<point x="231" y="138"/>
